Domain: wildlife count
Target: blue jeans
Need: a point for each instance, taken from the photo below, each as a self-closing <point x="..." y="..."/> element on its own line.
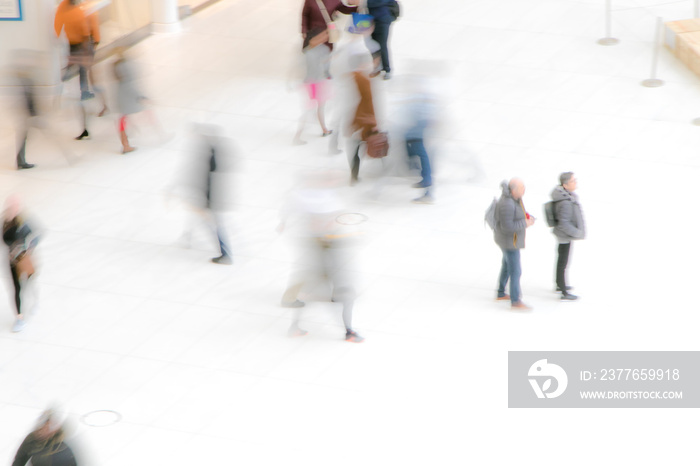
<point x="510" y="270"/>
<point x="416" y="147"/>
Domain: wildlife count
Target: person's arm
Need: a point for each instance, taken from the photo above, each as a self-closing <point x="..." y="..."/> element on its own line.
<point x="345" y="9"/>
<point x="507" y="220"/>
<point x="24" y="453"/>
<point x="305" y="18"/>
<point x="565" y="214"/>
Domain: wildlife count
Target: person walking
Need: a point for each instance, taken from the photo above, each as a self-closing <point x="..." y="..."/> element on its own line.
<point x="511" y="223"/>
<point x="46" y="444"/>
<point x="71" y="18"/>
<point x="21" y="241"/>
<point x="570" y="226"/>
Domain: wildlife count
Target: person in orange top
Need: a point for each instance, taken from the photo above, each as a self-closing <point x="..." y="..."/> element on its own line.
<point x="71" y="18"/>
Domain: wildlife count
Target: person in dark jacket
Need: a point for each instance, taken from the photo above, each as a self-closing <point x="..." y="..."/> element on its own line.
<point x="383" y="18"/>
<point x="20" y="241"/>
<point x="511" y="222"/>
<point x="45" y="445"/>
<point x="570" y="226"/>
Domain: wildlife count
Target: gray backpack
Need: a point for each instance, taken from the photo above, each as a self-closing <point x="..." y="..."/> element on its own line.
<point x="550" y="213"/>
<point x="490" y="217"/>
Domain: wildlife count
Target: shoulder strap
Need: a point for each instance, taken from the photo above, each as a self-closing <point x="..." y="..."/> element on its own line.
<point x="324" y="12"/>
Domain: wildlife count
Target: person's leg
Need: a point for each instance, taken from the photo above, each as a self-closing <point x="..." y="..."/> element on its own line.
<point x="354" y="160"/>
<point x="503" y="277"/>
<point x="381" y="35"/>
<point x="562" y="261"/>
<point x="22" y="143"/>
<point x="514" y="272"/>
<point x="417" y="148"/>
<point x="123" y="137"/>
<point x="218" y="227"/>
<point x="17" y="285"/>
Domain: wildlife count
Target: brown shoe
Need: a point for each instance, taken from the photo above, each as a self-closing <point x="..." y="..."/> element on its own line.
<point x="520" y="306"/>
<point x="503" y="298"/>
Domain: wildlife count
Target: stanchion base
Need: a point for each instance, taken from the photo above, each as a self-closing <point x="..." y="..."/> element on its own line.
<point x="608" y="41"/>
<point x="696" y="122"/>
<point x="652" y="83"/>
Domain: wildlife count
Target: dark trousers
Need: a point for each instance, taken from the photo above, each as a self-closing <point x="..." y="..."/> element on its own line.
<point x="355" y="164"/>
<point x="381" y="35"/>
<point x="563" y="250"/>
<point x="15" y="281"/>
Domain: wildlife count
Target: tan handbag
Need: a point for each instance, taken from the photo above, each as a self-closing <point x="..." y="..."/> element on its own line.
<point x="25" y="266"/>
<point x="333" y="31"/>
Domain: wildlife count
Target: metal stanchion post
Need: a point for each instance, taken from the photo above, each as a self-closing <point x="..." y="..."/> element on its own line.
<point x="608" y="39"/>
<point x="653" y="81"/>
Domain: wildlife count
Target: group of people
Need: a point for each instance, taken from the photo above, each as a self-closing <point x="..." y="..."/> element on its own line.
<point x="82" y="31"/>
<point x="511" y="221"/>
<point x="352" y="57"/>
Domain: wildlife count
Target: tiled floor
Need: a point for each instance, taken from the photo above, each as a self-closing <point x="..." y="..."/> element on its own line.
<point x="195" y="357"/>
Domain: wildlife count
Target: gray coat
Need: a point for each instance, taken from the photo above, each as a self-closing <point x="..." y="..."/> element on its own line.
<point x="567" y="210"/>
<point x="510" y="221"/>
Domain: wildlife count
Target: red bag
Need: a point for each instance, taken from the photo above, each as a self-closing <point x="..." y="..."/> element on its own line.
<point x="377" y="145"/>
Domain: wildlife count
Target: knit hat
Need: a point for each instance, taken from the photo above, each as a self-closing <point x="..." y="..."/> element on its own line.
<point x="361" y="23"/>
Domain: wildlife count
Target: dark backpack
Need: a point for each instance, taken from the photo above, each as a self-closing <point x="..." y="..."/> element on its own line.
<point x="550" y="213"/>
<point x="395" y="10"/>
<point x="490" y="217"/>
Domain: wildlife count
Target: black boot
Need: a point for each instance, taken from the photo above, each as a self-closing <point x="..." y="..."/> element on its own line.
<point x="83" y="135"/>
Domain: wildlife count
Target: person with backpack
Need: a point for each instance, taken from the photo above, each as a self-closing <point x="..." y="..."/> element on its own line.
<point x="510" y="222"/>
<point x="569" y="226"/>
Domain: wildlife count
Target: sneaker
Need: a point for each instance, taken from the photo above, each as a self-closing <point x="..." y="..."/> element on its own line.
<point x="25" y="166"/>
<point x="387" y="76"/>
<point x="420" y="185"/>
<point x="83" y="135"/>
<point x="19" y="325"/>
<point x="425" y="199"/>
<point x="567" y="288"/>
<point x="520" y="306"/>
<point x="353" y="337"/>
<point x="223" y="259"/>
<point x="505" y="297"/>
<point x="568" y="297"/>
<point x="293" y="304"/>
<point x="85" y="95"/>
<point x="295" y="331"/>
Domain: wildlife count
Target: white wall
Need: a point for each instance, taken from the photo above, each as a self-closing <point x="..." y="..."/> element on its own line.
<point x="34" y="32"/>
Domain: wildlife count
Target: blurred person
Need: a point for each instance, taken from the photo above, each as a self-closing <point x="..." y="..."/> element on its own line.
<point x="28" y="111"/>
<point x="352" y="49"/>
<point x="511" y="223"/>
<point x="206" y="176"/>
<point x="570" y="226"/>
<point x="46" y="445"/>
<point x="25" y="65"/>
<point x="130" y="99"/>
<point x="21" y="242"/>
<point x="71" y="18"/>
<point x="383" y="17"/>
<point x="316" y="60"/>
<point x="313" y="15"/>
<point x="323" y="247"/>
<point x="419" y="111"/>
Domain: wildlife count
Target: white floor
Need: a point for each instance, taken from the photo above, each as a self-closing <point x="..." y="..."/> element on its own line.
<point x="195" y="357"/>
